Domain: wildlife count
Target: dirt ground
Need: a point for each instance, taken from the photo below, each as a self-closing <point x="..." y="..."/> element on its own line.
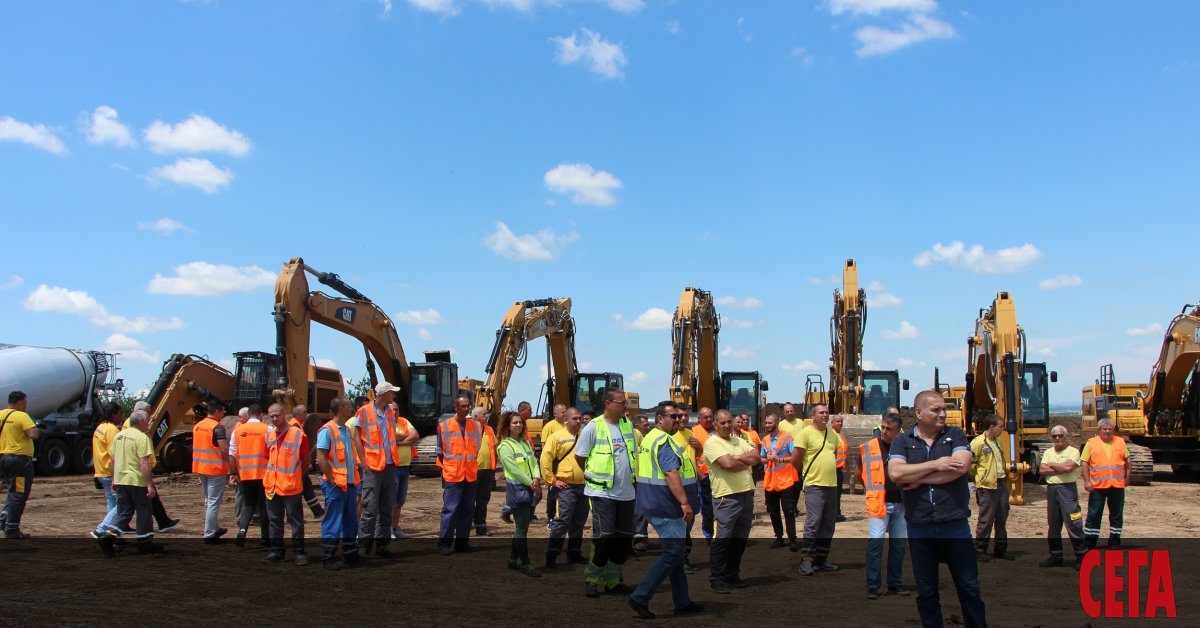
<point x="59" y="575"/>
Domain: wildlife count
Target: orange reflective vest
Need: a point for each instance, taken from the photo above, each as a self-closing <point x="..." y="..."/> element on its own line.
<point x="874" y="476"/>
<point x="701" y="435"/>
<point x="1106" y="466"/>
<point x="378" y="436"/>
<point x="459" y="449"/>
<point x="207" y="457"/>
<point x="251" y="450"/>
<point x="284" y="475"/>
<point x="777" y="476"/>
<point x="840" y="452"/>
<point x="338" y="457"/>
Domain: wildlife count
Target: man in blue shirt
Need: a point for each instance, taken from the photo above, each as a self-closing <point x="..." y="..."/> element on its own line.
<point x="930" y="462"/>
<point x="341" y="520"/>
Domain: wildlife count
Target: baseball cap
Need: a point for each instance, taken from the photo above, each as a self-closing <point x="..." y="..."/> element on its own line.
<point x="383" y="387"/>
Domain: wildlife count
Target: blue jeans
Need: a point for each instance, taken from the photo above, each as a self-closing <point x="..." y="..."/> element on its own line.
<point x="950" y="542"/>
<point x="891" y="525"/>
<point x="671" y="533"/>
<point x="110" y="502"/>
<point x="402" y="476"/>
<point x="341" y="520"/>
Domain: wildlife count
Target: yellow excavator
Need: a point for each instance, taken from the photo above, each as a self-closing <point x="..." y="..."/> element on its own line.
<point x="1160" y="419"/>
<point x="953" y="395"/>
<point x="695" y="377"/>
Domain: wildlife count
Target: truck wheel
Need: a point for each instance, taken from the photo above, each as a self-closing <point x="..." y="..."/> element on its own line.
<point x="55" y="458"/>
<point x="81" y="459"/>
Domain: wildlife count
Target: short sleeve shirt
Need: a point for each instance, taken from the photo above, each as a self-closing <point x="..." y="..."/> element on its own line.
<point x="933" y="503"/>
<point x="622" y="489"/>
<point x="15" y="439"/>
<point x="1069" y="454"/>
<point x="727" y="482"/>
<point x="656" y="500"/>
<point x="129" y="448"/>
<point x="820" y="456"/>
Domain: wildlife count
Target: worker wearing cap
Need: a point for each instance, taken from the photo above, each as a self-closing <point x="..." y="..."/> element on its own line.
<point x="17" y="433"/>
<point x="377" y="435"/>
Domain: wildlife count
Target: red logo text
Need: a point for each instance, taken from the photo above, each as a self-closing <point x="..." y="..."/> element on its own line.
<point x="1121" y="574"/>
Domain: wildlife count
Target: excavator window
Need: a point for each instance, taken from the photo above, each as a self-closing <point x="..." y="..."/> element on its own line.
<point x="882" y="390"/>
<point x="424" y="394"/>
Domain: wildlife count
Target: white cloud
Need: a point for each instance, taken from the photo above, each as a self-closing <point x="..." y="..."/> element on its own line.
<point x="36" y="135"/>
<point x="196" y="279"/>
<point x="673" y="27"/>
<point x="744" y="31"/>
<point x="325" y="362"/>
<point x="79" y="303"/>
<point x="907" y="330"/>
<point x="103" y="127"/>
<point x="130" y="349"/>
<point x="626" y="6"/>
<point x="815" y="281"/>
<point x="13" y="282"/>
<point x="195" y="172"/>
<point x="875" y="7"/>
<point x="653" y="319"/>
<point x="1046" y="351"/>
<point x="733" y="352"/>
<point x="424" y="334"/>
<point x="741" y="324"/>
<point x="442" y="7"/>
<point x="799" y="369"/>
<point x="881" y="41"/>
<point x="906" y="363"/>
<point x="385" y="7"/>
<point x="745" y="303"/>
<point x="197" y="134"/>
<point x="1152" y="328"/>
<point x="164" y="226"/>
<point x="878" y="296"/>
<point x="979" y="260"/>
<point x="585" y="185"/>
<point x="870" y="365"/>
<point x="1060" y="281"/>
<point x="638" y="377"/>
<point x="602" y="57"/>
<point x="803" y="54"/>
<point x="419" y="317"/>
<point x="529" y="247"/>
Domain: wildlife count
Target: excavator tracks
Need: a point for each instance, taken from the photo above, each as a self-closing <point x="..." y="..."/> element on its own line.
<point x="1141" y="462"/>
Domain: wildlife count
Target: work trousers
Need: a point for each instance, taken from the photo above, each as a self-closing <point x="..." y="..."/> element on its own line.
<point x="239" y="500"/>
<point x="18" y="473"/>
<point x="612" y="540"/>
<point x="948" y="542"/>
<point x="160" y="512"/>
<point x="551" y="502"/>
<point x="522" y="515"/>
<point x="132" y="503"/>
<point x="784" y="500"/>
<point x="734" y="514"/>
<point x="706" y="507"/>
<point x="254" y="501"/>
<point x="378" y="499"/>
<point x="458" y="502"/>
<point x="993" y="511"/>
<point x="820" y="517"/>
<point x="1062" y="508"/>
<point x="1115" y="497"/>
<point x="485" y="483"/>
<point x="340" y="525"/>
<point x="292" y="507"/>
<point x="213" y="489"/>
<point x="310" y="496"/>
<point x="669" y="565"/>
<point x="572" y="513"/>
<point x="892" y="526"/>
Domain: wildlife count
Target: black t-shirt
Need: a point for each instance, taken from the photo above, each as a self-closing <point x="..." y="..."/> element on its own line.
<point x="933" y="503"/>
<point x="891" y="490"/>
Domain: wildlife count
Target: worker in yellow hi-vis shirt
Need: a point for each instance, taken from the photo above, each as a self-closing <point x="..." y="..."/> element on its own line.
<point x="17" y="433"/>
<point x="102" y="462"/>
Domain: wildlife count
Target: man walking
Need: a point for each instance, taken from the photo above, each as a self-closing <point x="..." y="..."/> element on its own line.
<point x="248" y="461"/>
<point x="885" y="510"/>
<point x="817" y="448"/>
<point x="930" y="462"/>
<point x="779" y="458"/>
<point x="730" y="460"/>
<point x="1105" y="476"/>
<point x="1060" y="467"/>
<point x="377" y="437"/>
<point x="459" y="439"/>
<point x="210" y="461"/>
<point x="339" y="456"/>
<point x="134" y="483"/>
<point x="605" y="449"/>
<point x="565" y="477"/>
<point x="102" y="462"/>
<point x="287" y="449"/>
<point x="989" y="470"/>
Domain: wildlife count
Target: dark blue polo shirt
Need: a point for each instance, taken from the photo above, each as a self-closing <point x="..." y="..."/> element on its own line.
<point x="933" y="503"/>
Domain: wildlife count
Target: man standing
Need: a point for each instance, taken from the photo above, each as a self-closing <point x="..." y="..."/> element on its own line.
<point x="989" y="470"/>
<point x="836" y="422"/>
<point x="1060" y="467"/>
<point x="243" y="415"/>
<point x="1105" y="476"/>
<point x="780" y="457"/>
<point x="248" y="461"/>
<point x="459" y="439"/>
<point x="690" y="477"/>
<point x="406" y="439"/>
<point x="486" y="474"/>
<point x="565" y="477"/>
<point x="605" y="450"/>
<point x="641" y="525"/>
<point x="17" y="433"/>
<point x="662" y="500"/>
<point x="817" y="447"/>
<point x="885" y="510"/>
<point x="791" y="425"/>
<point x="557" y="422"/>
<point x="210" y="460"/>
<point x="299" y="414"/>
<point x="287" y="449"/>
<point x="730" y="460"/>
<point x="134" y="484"/>
<point x="339" y="457"/>
<point x="702" y="431"/>
<point x="930" y="462"/>
<point x="377" y="436"/>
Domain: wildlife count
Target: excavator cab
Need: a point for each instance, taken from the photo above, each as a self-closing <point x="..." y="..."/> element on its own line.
<point x="587" y="391"/>
<point x="432" y="391"/>
<point x="1035" y="391"/>
<point x="882" y="391"/>
<point x="740" y="394"/>
<point x="254" y="377"/>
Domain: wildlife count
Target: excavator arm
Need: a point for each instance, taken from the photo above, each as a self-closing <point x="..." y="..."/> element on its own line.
<point x="846" y="328"/>
<point x="1172" y="397"/>
<point x="694" y="373"/>
<point x="525" y="321"/>
<point x="185" y="381"/>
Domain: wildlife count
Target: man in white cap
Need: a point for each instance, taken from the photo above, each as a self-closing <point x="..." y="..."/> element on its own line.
<point x="380" y="455"/>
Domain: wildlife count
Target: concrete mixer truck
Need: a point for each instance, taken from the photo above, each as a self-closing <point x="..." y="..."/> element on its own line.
<point x="65" y="388"/>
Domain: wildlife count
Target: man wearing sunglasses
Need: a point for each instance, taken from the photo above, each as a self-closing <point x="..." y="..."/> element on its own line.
<point x="1060" y="467"/>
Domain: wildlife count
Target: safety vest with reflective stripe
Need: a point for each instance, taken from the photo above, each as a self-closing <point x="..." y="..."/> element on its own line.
<point x="487" y="449"/>
<point x="251" y="450"/>
<point x="207" y="458"/>
<point x="459" y="449"/>
<point x="840" y="452"/>
<point x="284" y="475"/>
<point x="701" y="435"/>
<point x="777" y="476"/>
<point x="1106" y="466"/>
<point x="522" y="454"/>
<point x="338" y="456"/>
<point x="648" y="471"/>
<point x="874" y="475"/>
<point x="378" y="436"/>
<point x="600" y="470"/>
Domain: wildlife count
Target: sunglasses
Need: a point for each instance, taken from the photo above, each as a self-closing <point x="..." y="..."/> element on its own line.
<point x="1058" y="436"/>
<point x="674" y="416"/>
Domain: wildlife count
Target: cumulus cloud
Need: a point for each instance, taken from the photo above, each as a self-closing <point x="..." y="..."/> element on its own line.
<point x="1061" y="281"/>
<point x="878" y="296"/>
<point x="870" y="365"/>
<point x="196" y="279"/>
<point x="13" y="282"/>
<point x="977" y="259"/>
<point x="35" y="135"/>
<point x="130" y="349"/>
<point x="197" y="134"/>
<point x="626" y="6"/>
<point x="653" y="319"/>
<point x="745" y="303"/>
<point x="195" y="172"/>
<point x="906" y="362"/>
<point x="733" y="352"/>
<point x="103" y="127"/>
<point x="445" y="8"/>
<point x="799" y="369"/>
<point x="418" y="317"/>
<point x="875" y="40"/>
<point x="906" y="331"/>
<point x="164" y="226"/>
<point x="583" y="183"/>
<point x="638" y="377"/>
<point x="742" y="324"/>
<point x="385" y="8"/>
<point x="1152" y="328"/>
<point x="601" y="57"/>
<point x="530" y="247"/>
<point x="875" y="7"/>
<point x="79" y="303"/>
<point x="1046" y="351"/>
<point x="801" y="53"/>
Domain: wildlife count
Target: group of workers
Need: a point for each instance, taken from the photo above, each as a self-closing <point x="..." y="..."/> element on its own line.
<point x="626" y="474"/>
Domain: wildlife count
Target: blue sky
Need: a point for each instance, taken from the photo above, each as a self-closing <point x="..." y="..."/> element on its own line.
<point x="159" y="161"/>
